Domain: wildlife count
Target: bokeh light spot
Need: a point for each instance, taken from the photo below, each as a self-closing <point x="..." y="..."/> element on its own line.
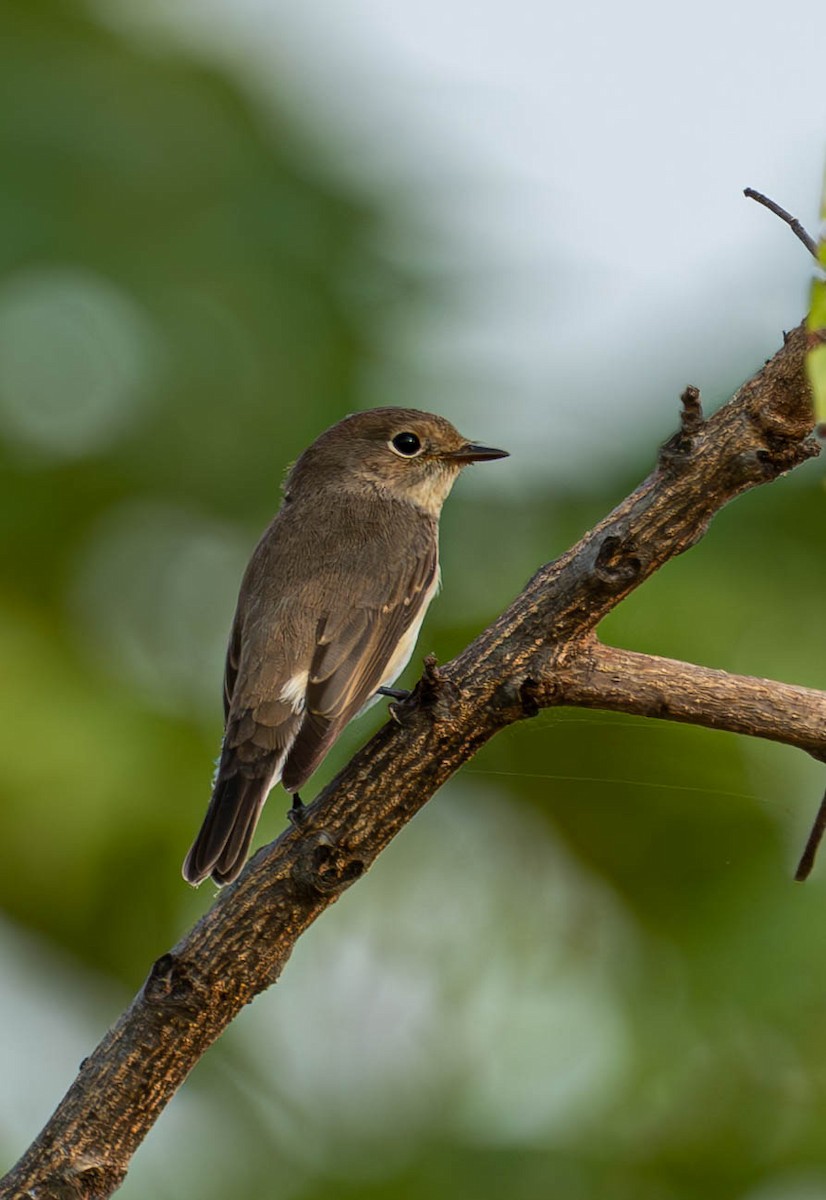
<point x="154" y="596"/>
<point x="77" y="360"/>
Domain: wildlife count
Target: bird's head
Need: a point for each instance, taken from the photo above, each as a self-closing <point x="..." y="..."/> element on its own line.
<point x="410" y="455"/>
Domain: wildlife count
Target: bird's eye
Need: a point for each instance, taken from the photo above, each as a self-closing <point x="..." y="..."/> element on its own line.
<point x="406" y="444"/>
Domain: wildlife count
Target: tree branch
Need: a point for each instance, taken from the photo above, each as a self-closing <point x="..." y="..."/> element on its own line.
<point x="541" y="651"/>
<point x="796" y="227"/>
<point x="623" y="681"/>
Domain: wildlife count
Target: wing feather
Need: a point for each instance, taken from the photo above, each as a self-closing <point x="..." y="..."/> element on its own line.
<point x="348" y="667"/>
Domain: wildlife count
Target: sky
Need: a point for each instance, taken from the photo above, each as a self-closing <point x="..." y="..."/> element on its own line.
<point x="570" y="178"/>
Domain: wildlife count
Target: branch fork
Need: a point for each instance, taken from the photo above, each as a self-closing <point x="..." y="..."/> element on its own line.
<point x="541" y="652"/>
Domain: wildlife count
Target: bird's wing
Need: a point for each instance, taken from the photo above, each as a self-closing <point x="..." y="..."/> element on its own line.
<point x="351" y="658"/>
<point x="264" y="705"/>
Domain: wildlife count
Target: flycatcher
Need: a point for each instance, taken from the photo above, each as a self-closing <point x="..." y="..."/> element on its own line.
<point x="329" y="610"/>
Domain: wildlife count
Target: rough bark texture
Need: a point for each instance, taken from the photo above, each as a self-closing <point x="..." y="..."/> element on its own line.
<point x="542" y="651"/>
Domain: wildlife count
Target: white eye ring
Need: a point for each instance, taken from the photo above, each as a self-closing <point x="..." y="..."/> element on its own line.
<point x="406" y="444"/>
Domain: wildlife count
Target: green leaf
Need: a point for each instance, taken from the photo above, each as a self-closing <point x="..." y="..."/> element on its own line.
<point x="816" y="369"/>
<point x="816" y="324"/>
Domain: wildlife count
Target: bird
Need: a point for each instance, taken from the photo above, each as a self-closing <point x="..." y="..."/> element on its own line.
<point x="328" y="612"/>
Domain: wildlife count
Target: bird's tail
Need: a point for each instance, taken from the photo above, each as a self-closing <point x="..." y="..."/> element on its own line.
<point x="223" y="841"/>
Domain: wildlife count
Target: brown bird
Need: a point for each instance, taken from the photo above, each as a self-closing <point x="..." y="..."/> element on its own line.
<point x="329" y="610"/>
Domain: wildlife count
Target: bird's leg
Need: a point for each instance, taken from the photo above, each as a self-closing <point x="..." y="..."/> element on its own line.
<point x="393" y="693"/>
<point x="297" y="813"/>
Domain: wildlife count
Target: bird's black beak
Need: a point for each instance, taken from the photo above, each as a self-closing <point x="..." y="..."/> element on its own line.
<point x="473" y="452"/>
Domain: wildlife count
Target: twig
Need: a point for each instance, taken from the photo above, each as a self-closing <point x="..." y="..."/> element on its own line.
<point x="797" y="229"/>
<point x="807" y="858"/>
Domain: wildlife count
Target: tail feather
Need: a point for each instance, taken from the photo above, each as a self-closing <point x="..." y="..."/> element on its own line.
<point x="221" y="846"/>
<point x="228" y="866"/>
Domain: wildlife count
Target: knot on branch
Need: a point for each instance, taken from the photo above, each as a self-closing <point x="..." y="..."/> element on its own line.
<point x="782" y="454"/>
<point x="88" y="1175"/>
<point x="325" y="867"/>
<point x="691" y="418"/>
<point x="432" y="683"/>
<point x="168" y="983"/>
<point x="516" y="698"/>
<point x="677" y="451"/>
<point x="616" y="565"/>
<point x="434" y="691"/>
<point x="528" y="698"/>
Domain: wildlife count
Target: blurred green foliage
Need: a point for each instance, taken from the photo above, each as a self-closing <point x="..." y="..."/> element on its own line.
<point x="185" y="302"/>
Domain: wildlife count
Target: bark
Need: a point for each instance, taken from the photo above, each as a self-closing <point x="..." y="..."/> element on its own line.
<point x="541" y="652"/>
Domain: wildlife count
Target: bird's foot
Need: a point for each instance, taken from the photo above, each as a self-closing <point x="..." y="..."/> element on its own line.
<point x="394" y="693"/>
<point x="297" y="812"/>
